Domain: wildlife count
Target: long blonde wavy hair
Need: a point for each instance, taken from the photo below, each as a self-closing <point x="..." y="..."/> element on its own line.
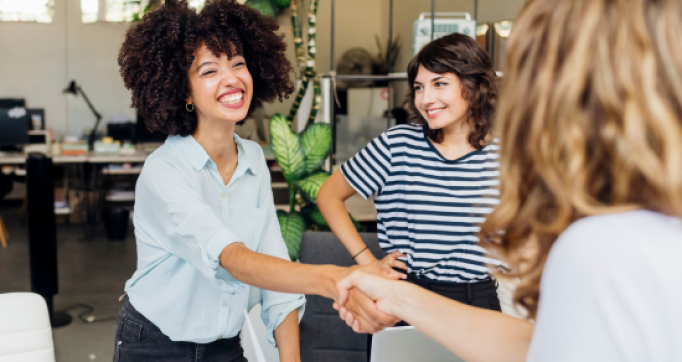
<point x="590" y="122"/>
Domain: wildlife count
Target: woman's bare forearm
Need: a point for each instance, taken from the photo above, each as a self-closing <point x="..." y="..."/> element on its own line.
<point x="287" y="337"/>
<point x="474" y="334"/>
<point x="270" y="273"/>
<point x="331" y="202"/>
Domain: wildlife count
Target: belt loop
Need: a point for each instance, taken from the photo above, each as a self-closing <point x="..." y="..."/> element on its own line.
<point x="470" y="297"/>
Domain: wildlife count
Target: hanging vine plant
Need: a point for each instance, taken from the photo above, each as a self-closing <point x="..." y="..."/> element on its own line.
<point x="301" y="156"/>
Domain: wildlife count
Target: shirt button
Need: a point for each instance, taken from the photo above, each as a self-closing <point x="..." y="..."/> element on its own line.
<point x="222" y="194"/>
<point x="224" y="303"/>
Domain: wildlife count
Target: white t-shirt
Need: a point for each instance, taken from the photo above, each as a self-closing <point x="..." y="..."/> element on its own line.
<point x="612" y="291"/>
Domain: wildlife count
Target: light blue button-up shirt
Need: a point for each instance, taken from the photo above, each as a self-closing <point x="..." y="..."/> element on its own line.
<point x="184" y="217"/>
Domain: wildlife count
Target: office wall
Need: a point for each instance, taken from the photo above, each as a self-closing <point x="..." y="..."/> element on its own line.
<point x="405" y="12"/>
<point x="33" y="64"/>
<point x="38" y="60"/>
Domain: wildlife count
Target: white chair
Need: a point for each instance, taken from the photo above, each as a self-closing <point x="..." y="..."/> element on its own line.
<point x="25" y="331"/>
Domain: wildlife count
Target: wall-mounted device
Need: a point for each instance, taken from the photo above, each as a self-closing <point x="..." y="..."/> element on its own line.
<point x="444" y="24"/>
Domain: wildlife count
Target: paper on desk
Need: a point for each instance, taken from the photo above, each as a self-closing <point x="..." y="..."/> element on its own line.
<point x="260" y="356"/>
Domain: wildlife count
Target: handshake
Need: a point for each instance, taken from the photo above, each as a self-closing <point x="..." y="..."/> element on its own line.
<point x="368" y="295"/>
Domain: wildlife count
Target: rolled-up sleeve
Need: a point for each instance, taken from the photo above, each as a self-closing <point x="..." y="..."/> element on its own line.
<point x="276" y="306"/>
<point x="188" y="227"/>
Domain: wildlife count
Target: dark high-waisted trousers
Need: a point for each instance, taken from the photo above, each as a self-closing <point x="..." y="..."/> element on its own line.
<point x="482" y="294"/>
<point x="139" y="340"/>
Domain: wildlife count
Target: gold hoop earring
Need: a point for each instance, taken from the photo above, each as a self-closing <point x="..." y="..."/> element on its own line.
<point x="187" y="107"/>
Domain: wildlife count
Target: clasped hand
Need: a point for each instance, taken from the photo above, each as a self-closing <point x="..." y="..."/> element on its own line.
<point x="362" y="303"/>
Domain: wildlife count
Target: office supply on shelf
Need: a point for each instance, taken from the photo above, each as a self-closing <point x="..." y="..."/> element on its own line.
<point x="13" y="126"/>
<point x="107" y="145"/>
<point x="403" y="344"/>
<point x="75" y="89"/>
<point x="36" y="118"/>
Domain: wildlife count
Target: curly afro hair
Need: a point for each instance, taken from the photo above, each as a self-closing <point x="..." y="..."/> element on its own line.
<point x="158" y="52"/>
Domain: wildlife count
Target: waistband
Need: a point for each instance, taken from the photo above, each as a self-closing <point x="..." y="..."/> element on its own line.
<point x="226" y="343"/>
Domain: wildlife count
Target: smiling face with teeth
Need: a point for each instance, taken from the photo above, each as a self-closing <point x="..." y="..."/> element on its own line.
<point x="221" y="88"/>
<point x="440" y="100"/>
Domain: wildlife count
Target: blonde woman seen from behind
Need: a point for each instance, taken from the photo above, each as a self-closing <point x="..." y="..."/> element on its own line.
<point x="590" y="124"/>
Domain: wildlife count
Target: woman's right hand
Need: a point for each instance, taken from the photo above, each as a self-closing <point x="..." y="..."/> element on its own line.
<point x="377" y="288"/>
<point x="391" y="261"/>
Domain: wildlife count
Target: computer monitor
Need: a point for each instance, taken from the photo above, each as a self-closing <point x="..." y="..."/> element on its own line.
<point x="13" y="127"/>
<point x="12" y="103"/>
<point x="142" y="134"/>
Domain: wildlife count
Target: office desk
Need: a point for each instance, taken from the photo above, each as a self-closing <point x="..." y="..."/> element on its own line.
<point x="19" y="158"/>
<point x="362" y="210"/>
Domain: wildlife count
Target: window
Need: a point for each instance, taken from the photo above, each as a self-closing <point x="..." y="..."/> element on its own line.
<point x="40" y="11"/>
<point x="111" y="10"/>
<point x="120" y="10"/>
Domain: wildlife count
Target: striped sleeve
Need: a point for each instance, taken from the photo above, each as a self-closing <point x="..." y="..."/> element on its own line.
<point x="368" y="170"/>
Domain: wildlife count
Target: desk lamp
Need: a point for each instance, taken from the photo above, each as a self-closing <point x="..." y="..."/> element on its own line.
<point x="75" y="89"/>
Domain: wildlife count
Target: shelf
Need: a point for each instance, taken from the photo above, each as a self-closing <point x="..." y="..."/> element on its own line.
<point x="279" y="185"/>
<point x="122" y="171"/>
<point x="390" y="77"/>
<point x="119" y="199"/>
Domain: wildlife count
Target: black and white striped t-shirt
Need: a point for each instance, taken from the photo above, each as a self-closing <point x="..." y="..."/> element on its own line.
<point x="429" y="208"/>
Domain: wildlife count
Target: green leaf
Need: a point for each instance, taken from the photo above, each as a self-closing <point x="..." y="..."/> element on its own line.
<point x="310" y="185"/>
<point x="292" y="226"/>
<point x="312" y="213"/>
<point x="265" y="7"/>
<point x="282" y="3"/>
<point x="287" y="150"/>
<point x="316" y="141"/>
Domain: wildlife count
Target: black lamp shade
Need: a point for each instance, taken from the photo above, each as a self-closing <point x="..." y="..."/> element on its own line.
<point x="71" y="89"/>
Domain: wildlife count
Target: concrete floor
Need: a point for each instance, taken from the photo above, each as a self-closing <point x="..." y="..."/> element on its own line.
<point x="92" y="273"/>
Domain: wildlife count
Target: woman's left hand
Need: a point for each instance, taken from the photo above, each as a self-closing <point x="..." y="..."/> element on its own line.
<point x="391" y="261"/>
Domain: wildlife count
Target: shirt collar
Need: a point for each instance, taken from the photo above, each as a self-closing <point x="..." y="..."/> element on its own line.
<point x="198" y="157"/>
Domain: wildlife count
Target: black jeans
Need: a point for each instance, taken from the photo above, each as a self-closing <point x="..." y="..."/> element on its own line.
<point x="482" y="294"/>
<point x="138" y="339"/>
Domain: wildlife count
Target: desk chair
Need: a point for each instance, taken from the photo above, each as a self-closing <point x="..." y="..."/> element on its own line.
<point x="324" y="336"/>
<point x="25" y="332"/>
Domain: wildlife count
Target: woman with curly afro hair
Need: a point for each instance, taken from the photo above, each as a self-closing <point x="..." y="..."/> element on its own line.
<point x="208" y="240"/>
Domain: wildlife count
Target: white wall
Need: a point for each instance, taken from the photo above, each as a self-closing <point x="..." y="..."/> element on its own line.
<point x="38" y="60"/>
<point x="405" y="12"/>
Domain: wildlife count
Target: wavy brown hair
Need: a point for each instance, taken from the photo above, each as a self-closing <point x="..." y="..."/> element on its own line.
<point x="461" y="55"/>
<point x="158" y="52"/>
<point x="590" y="119"/>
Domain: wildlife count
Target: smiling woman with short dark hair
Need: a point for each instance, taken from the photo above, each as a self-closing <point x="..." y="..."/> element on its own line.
<point x="433" y="181"/>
